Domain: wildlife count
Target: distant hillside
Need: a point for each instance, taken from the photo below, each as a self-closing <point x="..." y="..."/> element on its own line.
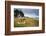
<point x="36" y="18"/>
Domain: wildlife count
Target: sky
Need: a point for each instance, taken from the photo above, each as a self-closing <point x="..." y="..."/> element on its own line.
<point x="29" y="12"/>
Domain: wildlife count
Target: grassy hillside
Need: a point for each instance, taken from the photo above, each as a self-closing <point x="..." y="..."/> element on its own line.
<point x="25" y="22"/>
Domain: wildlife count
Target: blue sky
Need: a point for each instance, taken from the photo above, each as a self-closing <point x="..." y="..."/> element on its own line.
<point x="29" y="12"/>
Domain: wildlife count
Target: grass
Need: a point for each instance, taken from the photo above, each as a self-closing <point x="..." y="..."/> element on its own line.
<point x="25" y="22"/>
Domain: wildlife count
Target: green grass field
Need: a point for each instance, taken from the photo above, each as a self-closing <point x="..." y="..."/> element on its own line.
<point x="25" y="22"/>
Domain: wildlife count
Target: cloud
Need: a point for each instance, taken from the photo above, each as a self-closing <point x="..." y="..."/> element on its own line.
<point x="30" y="12"/>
